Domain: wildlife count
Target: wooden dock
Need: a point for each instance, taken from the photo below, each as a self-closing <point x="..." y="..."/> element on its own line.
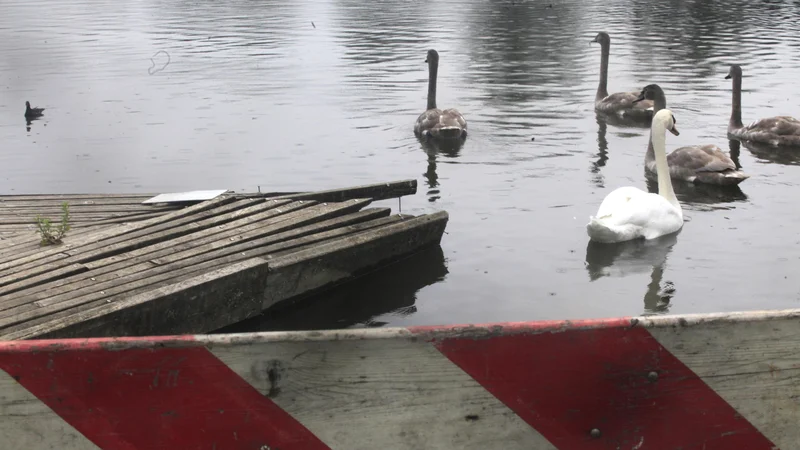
<point x="128" y="268"/>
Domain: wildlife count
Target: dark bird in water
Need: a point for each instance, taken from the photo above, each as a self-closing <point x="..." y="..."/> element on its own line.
<point x="30" y="113"/>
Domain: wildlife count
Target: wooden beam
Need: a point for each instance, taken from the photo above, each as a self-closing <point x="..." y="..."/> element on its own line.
<point x="379" y="191"/>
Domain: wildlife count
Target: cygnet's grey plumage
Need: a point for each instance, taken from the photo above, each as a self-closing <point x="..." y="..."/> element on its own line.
<point x="694" y="163"/>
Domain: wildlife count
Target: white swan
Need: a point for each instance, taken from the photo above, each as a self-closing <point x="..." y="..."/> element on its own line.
<point x="629" y="213"/>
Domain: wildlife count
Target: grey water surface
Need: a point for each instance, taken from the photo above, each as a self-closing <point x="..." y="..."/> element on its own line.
<point x="163" y="96"/>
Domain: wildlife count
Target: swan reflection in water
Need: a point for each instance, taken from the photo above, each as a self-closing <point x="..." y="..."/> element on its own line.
<point x="433" y="149"/>
<point x="788" y="156"/>
<point x="634" y="258"/>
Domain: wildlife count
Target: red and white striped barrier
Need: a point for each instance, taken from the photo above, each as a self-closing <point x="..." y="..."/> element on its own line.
<point x="722" y="381"/>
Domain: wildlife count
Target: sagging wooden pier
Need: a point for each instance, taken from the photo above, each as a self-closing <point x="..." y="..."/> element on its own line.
<point x="136" y="265"/>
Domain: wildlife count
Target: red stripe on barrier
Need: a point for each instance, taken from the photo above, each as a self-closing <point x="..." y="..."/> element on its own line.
<point x="167" y="398"/>
<point x="602" y="388"/>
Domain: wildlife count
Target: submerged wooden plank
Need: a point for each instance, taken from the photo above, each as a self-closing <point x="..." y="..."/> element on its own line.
<point x="194" y="304"/>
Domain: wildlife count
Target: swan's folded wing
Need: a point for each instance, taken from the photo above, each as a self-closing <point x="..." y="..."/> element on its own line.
<point x="452" y="118"/>
<point x="428" y="119"/>
<point x="625" y="100"/>
<point x="701" y="158"/>
<point x="779" y="125"/>
<point x="638" y="209"/>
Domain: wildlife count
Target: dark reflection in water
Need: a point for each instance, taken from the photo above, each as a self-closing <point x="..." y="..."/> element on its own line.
<point x="636" y="257"/>
<point x="252" y="94"/>
<point x="390" y="291"/>
<point x="435" y="149"/>
<point x="770" y="154"/>
<point x="602" y="152"/>
<point x="693" y="194"/>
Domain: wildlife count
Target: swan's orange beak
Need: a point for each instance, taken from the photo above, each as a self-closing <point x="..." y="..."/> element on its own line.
<point x="674" y="130"/>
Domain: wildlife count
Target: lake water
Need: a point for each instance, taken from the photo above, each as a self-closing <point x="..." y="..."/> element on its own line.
<point x="302" y="95"/>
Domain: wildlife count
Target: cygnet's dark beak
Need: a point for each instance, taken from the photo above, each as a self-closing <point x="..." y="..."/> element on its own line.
<point x="594" y="40"/>
<point x="728" y="76"/>
<point x="426" y="59"/>
<point x="639" y="98"/>
<point x="674" y="130"/>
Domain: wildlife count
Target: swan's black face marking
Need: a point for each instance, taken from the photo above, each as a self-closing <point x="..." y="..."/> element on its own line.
<point x="673" y="129"/>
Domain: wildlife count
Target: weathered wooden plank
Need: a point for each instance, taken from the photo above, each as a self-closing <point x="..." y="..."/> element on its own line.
<point x="334" y="228"/>
<point x="390" y="289"/>
<point x="239" y="229"/>
<point x="128" y="218"/>
<point x="78" y="220"/>
<point x="28" y="304"/>
<point x="172" y="232"/>
<point x="235" y="292"/>
<point x="12" y="203"/>
<point x="61" y="197"/>
<point x="208" y="300"/>
<point x="379" y="191"/>
<point x="143" y="262"/>
<point x="134" y="239"/>
<point x="106" y="233"/>
<point x="303" y="272"/>
<point x="39" y="280"/>
<point x="30" y="241"/>
<point x="78" y="208"/>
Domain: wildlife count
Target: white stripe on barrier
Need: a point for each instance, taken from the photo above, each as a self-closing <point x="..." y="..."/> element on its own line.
<point x="381" y="394"/>
<point x="28" y="424"/>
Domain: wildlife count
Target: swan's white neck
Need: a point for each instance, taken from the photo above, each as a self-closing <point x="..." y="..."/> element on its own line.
<point x="659" y="140"/>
